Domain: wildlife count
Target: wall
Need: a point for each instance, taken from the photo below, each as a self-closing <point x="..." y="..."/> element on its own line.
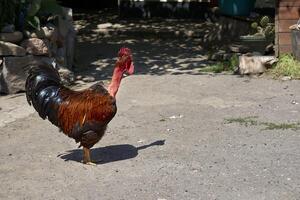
<point x="265" y="4"/>
<point x="287" y="14"/>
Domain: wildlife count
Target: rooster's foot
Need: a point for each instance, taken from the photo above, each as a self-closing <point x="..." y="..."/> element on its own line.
<point x="87" y="157"/>
<point x="90" y="163"/>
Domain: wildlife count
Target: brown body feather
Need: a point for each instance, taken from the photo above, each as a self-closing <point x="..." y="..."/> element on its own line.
<point x="84" y="115"/>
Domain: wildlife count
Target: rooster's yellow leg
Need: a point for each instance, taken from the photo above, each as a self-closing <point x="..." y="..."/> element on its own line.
<point x="87" y="156"/>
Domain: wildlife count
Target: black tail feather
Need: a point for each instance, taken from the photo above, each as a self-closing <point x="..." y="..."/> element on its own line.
<point x="42" y="91"/>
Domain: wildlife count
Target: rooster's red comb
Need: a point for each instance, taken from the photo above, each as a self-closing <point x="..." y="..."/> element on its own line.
<point x="124" y="52"/>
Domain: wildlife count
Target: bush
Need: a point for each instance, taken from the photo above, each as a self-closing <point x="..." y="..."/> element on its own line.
<point x="27" y="13"/>
<point x="286" y="66"/>
<point x="219" y="67"/>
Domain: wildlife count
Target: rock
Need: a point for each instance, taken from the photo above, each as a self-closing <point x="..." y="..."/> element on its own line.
<point x="218" y="55"/>
<point x="255" y="64"/>
<point x="10" y="49"/>
<point x="60" y="56"/>
<point x="35" y="35"/>
<point x="294" y="102"/>
<point x="79" y="77"/>
<point x="14" y="37"/>
<point x="88" y="79"/>
<point x="27" y="34"/>
<point x="189" y="33"/>
<point x="53" y="49"/>
<point x="49" y="32"/>
<point x="104" y="26"/>
<point x="36" y="46"/>
<point x="256" y="53"/>
<point x="8" y="28"/>
<point x="65" y="23"/>
<point x="70" y="49"/>
<point x="14" y="72"/>
<point x="66" y="75"/>
<point x="1" y="61"/>
<point x="286" y="78"/>
<point x="3" y="85"/>
<point x="238" y="48"/>
<point x="270" y="49"/>
<point x="227" y="56"/>
<point x="295" y="27"/>
<point x="68" y="34"/>
<point x="79" y="82"/>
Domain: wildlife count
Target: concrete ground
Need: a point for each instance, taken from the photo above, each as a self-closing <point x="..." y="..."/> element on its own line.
<point x="169" y="139"/>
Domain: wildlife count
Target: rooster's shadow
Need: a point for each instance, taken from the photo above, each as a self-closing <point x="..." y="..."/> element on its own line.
<point x="109" y="154"/>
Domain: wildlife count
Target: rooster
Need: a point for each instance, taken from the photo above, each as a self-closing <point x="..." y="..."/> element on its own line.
<point x="81" y="115"/>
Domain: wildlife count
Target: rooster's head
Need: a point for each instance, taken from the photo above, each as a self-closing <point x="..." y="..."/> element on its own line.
<point x="125" y="61"/>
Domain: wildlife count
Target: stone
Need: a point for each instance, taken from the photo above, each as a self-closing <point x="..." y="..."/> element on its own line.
<point x="249" y="65"/>
<point x="286" y="78"/>
<point x="70" y="49"/>
<point x="270" y="49"/>
<point x="68" y="35"/>
<point x="27" y="34"/>
<point x="88" y="79"/>
<point x="295" y="27"/>
<point x="60" y="55"/>
<point x="36" y="46"/>
<point x="8" y="28"/>
<point x="66" y="75"/>
<point x="189" y="33"/>
<point x="15" y="70"/>
<point x="227" y="56"/>
<point x="218" y="56"/>
<point x="79" y="77"/>
<point x="236" y="48"/>
<point x="14" y="37"/>
<point x="65" y="23"/>
<point x="10" y="49"/>
<point x="49" y="31"/>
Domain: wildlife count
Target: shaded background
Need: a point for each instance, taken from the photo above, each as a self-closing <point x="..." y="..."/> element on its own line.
<point x="79" y="4"/>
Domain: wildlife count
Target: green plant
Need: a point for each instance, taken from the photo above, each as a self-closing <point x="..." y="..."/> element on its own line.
<point x="264" y="28"/>
<point x="281" y="126"/>
<point x="233" y="62"/>
<point x="253" y="121"/>
<point x="39" y="8"/>
<point x="246" y="121"/>
<point x="215" y="68"/>
<point x="34" y="10"/>
<point x="219" y="67"/>
<point x="287" y="65"/>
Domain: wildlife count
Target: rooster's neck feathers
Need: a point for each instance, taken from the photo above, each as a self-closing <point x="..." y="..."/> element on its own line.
<point x="115" y="81"/>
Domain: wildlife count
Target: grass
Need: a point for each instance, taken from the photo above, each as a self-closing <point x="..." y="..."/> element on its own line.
<point x="216" y="68"/>
<point x="219" y="67"/>
<point x="282" y="126"/>
<point x="252" y="121"/>
<point x="246" y="121"/>
<point x="286" y="66"/>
